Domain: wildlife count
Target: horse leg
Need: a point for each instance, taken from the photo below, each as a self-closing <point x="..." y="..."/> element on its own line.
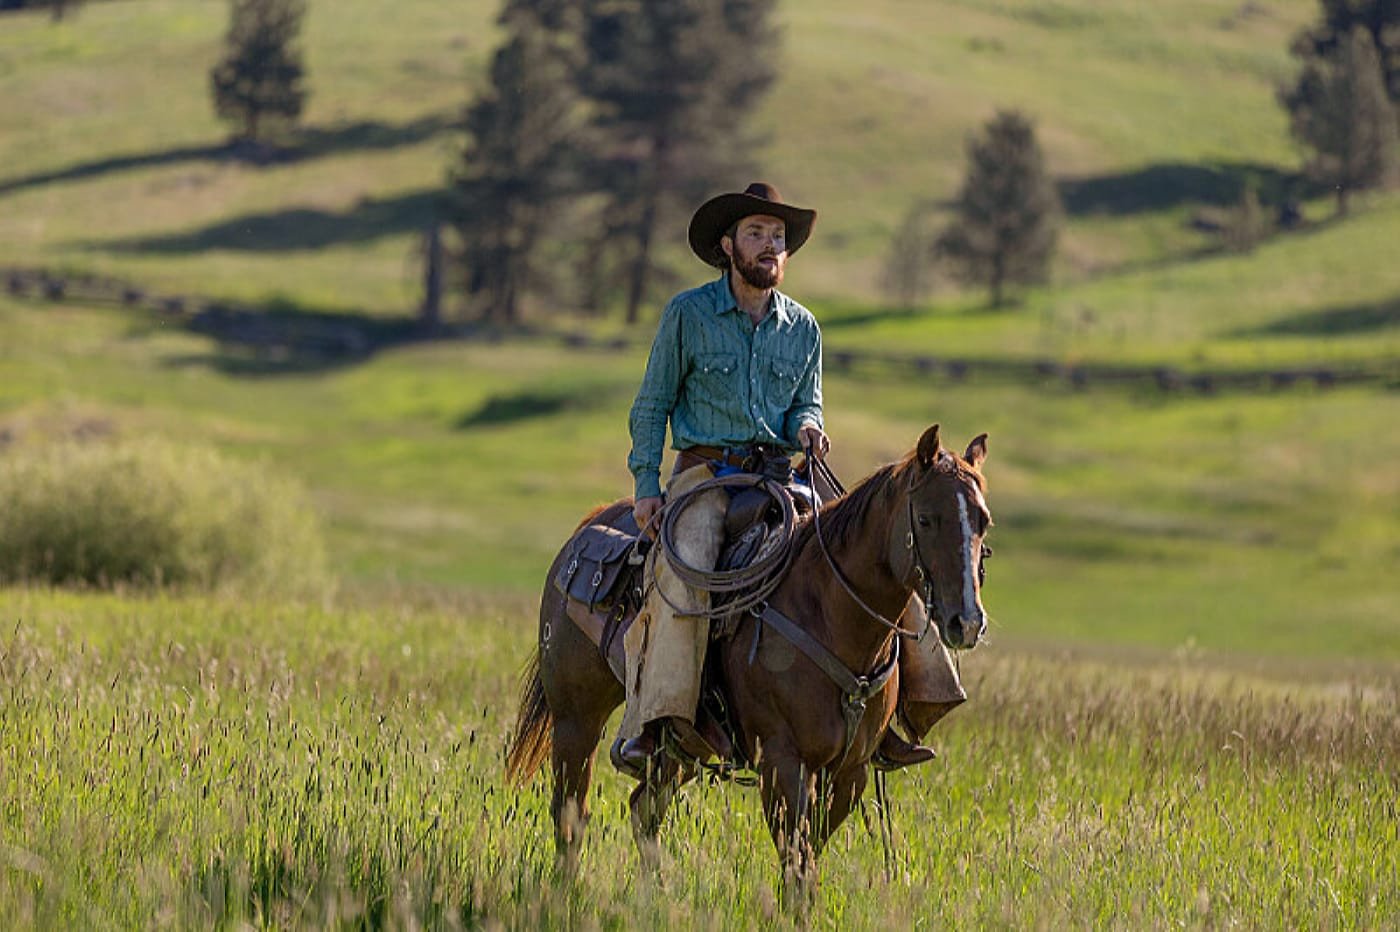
<point x="648" y="804"/>
<point x="582" y="690"/>
<point x="844" y="791"/>
<point x="575" y="747"/>
<point x="790" y="802"/>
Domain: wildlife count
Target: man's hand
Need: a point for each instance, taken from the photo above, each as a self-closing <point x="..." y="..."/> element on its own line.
<point x="814" y="441"/>
<point x="643" y="510"/>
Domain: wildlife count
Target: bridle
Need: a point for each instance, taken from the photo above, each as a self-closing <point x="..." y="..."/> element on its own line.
<point x="911" y="543"/>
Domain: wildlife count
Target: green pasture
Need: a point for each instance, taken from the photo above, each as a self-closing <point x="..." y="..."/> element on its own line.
<point x="1255" y="523"/>
<point x="195" y="763"/>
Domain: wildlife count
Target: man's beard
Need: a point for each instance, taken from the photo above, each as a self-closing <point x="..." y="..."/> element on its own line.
<point x="758" y="276"/>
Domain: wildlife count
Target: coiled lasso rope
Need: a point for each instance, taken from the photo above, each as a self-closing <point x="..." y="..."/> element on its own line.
<point x="751" y="585"/>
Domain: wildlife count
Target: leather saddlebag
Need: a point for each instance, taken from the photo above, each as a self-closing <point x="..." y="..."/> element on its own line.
<point x="598" y="571"/>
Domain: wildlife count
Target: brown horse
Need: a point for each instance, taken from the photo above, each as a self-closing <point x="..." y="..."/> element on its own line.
<point x="916" y="523"/>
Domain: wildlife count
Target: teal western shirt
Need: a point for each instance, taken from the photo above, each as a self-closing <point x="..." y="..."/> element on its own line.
<point x="722" y="381"/>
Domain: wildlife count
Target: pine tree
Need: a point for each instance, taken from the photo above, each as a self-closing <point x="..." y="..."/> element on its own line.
<point x="58" y="9"/>
<point x="672" y="84"/>
<point x="1380" y="18"/>
<point x="908" y="274"/>
<point x="1008" y="211"/>
<point x="261" y="78"/>
<point x="520" y="164"/>
<point x="1340" y="110"/>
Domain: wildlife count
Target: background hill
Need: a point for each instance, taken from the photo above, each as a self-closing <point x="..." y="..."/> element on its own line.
<point x="1128" y="514"/>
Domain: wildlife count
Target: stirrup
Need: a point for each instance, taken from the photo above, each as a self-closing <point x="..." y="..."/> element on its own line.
<point x="635" y="771"/>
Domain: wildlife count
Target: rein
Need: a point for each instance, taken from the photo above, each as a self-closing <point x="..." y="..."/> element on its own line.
<point x="911" y="544"/>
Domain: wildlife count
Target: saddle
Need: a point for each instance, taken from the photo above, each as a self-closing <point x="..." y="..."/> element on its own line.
<point x="604" y="565"/>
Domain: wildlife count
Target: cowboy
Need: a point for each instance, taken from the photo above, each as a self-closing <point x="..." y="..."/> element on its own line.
<point x="735" y="370"/>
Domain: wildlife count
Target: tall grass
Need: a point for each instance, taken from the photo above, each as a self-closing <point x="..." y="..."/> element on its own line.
<point x="196" y="762"/>
<point x="148" y="512"/>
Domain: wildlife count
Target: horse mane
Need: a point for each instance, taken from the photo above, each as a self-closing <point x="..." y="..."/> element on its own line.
<point x="846" y="515"/>
<point x="593" y="515"/>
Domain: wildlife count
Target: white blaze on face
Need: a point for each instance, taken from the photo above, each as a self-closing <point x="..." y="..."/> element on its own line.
<point x="970" y="608"/>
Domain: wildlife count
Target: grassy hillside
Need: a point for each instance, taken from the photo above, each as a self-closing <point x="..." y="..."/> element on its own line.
<point x="1233" y="521"/>
<point x="110" y="150"/>
<point x="1253" y="524"/>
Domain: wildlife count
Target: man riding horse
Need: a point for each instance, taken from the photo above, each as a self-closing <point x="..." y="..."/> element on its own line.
<point x="735" y="370"/>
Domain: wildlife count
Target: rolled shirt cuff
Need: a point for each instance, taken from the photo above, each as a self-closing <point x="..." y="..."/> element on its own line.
<point x="648" y="484"/>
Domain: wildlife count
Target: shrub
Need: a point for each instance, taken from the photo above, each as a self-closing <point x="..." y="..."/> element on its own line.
<point x="150" y="513"/>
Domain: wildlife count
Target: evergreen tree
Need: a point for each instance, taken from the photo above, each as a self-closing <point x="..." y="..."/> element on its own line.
<point x="261" y="77"/>
<point x="908" y="275"/>
<point x="58" y="9"/>
<point x="1380" y="18"/>
<point x="1008" y="212"/>
<point x="1340" y="111"/>
<point x="519" y="166"/>
<point x="672" y="84"/>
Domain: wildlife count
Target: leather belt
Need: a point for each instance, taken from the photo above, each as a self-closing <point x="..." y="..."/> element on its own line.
<point x="694" y="456"/>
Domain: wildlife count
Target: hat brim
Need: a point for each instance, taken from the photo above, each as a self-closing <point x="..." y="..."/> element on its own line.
<point x="718" y="214"/>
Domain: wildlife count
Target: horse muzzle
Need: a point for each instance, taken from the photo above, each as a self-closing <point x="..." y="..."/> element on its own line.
<point x="962" y="631"/>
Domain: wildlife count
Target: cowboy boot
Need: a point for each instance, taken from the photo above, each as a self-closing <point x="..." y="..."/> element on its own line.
<point x="633" y="755"/>
<point x="894" y="752"/>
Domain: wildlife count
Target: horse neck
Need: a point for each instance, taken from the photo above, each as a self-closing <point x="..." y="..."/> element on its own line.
<point x="864" y="556"/>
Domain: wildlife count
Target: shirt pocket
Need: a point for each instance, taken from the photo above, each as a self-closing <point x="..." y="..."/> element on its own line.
<point x="786" y="373"/>
<point x="716" y="368"/>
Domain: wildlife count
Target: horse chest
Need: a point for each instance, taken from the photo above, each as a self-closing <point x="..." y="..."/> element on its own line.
<point x="776" y="654"/>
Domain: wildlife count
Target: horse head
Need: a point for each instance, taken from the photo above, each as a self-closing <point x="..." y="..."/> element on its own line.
<point x="943" y="533"/>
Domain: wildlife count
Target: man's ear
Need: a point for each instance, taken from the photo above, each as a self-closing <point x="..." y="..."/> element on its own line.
<point x="727" y="244"/>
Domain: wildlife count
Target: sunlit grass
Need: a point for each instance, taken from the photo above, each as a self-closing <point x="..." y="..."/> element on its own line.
<point x="192" y="761"/>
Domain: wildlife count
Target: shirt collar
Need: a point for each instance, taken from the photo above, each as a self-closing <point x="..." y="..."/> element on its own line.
<point x="722" y="300"/>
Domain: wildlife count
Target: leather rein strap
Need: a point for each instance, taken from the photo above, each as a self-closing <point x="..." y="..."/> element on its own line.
<point x="911" y="543"/>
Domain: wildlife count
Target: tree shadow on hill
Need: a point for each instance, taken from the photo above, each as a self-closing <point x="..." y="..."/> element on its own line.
<point x="1349" y="320"/>
<point x="533" y="403"/>
<point x="310" y="143"/>
<point x="297" y="228"/>
<point x="1173" y="184"/>
<point x="282" y="337"/>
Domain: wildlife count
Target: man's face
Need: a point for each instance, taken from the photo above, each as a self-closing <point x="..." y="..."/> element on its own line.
<point x="758" y="250"/>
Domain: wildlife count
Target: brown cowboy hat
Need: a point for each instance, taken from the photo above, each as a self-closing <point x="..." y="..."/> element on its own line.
<point x="718" y="214"/>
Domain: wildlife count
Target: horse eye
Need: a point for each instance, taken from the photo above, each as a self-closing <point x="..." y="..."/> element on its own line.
<point x="923" y="521"/>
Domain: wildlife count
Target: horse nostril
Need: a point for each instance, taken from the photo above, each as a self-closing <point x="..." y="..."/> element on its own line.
<point x="954" y="631"/>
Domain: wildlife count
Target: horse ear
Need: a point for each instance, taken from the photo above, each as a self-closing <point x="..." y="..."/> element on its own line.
<point x="928" y="447"/>
<point x="976" y="451"/>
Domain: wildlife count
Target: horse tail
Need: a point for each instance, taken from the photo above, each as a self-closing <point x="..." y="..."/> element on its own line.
<point x="534" y="727"/>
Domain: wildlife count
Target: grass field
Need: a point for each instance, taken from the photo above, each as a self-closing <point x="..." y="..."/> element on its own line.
<point x="1186" y="714"/>
<point x="186" y="762"/>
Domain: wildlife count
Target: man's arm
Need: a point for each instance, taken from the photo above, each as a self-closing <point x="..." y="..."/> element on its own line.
<point x="656" y="399"/>
<point x="802" y="424"/>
